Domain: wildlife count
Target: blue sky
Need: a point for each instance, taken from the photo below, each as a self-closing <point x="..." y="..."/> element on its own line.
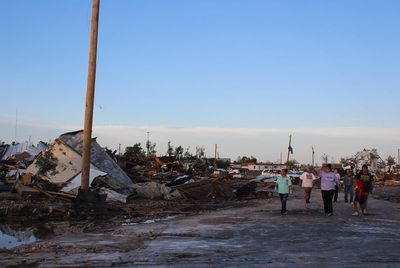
<point x="203" y="64"/>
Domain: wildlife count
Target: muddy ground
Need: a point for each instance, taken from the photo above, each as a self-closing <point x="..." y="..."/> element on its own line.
<point x="388" y="193"/>
<point x="235" y="234"/>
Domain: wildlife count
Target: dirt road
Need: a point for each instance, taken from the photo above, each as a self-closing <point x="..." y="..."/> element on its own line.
<point x="255" y="235"/>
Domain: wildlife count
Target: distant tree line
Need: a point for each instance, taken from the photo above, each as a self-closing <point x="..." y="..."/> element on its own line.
<point x="137" y="152"/>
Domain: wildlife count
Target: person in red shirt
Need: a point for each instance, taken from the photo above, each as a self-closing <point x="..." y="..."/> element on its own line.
<point x="367" y="185"/>
<point x="360" y="197"/>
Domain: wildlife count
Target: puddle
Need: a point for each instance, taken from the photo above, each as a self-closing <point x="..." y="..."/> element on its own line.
<point x="130" y="222"/>
<point x="11" y="238"/>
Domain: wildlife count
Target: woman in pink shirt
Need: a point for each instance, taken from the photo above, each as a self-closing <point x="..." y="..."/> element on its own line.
<point x="328" y="183"/>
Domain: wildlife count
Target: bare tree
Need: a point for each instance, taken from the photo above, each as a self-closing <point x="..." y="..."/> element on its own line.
<point x="200" y="152"/>
<point x="325" y="158"/>
<point x="390" y="161"/>
<point x="179" y="152"/>
<point x="187" y="153"/>
<point x="151" y="149"/>
<point x="170" y="150"/>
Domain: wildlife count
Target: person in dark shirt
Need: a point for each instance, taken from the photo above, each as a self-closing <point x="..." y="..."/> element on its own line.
<point x="367" y="180"/>
<point x="348" y="186"/>
<point x="337" y="187"/>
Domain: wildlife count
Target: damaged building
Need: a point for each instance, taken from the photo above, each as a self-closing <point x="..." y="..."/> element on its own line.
<point x="61" y="164"/>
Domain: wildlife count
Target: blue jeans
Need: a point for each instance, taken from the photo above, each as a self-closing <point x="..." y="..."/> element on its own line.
<point x="336" y="195"/>
<point x="348" y="189"/>
<point x="366" y="200"/>
<point x="284" y="198"/>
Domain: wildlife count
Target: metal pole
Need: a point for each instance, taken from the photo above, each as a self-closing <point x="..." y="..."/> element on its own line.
<point x="87" y="130"/>
<point x="398" y="156"/>
<point x="16" y="126"/>
<point x="215" y="156"/>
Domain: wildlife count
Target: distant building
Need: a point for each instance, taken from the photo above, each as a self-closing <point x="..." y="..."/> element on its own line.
<point x="254" y="167"/>
<point x="262" y="166"/>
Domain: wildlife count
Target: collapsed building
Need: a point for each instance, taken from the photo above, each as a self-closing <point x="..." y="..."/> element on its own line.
<point x="61" y="164"/>
<point x="369" y="157"/>
<point x="22" y="152"/>
<point x="54" y="171"/>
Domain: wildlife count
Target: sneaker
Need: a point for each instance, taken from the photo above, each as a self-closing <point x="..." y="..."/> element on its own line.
<point x="364" y="212"/>
<point x="355" y="213"/>
<point x="330" y="214"/>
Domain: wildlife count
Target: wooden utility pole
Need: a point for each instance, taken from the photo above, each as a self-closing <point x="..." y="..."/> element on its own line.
<point x="289" y="148"/>
<point x="87" y="130"/>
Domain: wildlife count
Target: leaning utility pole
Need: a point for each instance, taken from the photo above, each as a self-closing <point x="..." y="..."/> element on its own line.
<point x="313" y="153"/>
<point x="87" y="130"/>
<point x="289" y="149"/>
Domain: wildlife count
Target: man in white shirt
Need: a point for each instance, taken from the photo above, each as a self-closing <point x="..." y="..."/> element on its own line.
<point x="307" y="179"/>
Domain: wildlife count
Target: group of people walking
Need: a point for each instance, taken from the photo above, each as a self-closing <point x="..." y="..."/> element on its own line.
<point x="356" y="188"/>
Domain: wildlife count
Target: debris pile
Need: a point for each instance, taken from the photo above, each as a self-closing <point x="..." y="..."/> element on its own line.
<point x="53" y="172"/>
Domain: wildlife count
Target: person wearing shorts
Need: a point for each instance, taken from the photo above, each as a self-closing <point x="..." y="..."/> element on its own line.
<point x="307" y="181"/>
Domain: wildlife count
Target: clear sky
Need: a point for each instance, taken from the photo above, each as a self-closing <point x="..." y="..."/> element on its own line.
<point x="196" y="66"/>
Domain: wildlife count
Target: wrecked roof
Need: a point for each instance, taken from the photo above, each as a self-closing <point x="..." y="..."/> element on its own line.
<point x="76" y="181"/>
<point x="116" y="177"/>
<point x="25" y="147"/>
<point x="59" y="164"/>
